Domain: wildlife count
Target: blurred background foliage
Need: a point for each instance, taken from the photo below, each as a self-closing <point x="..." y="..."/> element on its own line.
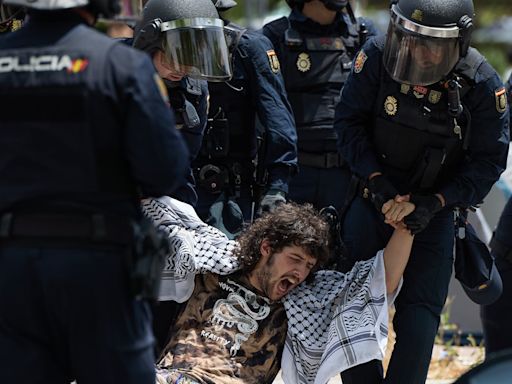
<point x="493" y="22"/>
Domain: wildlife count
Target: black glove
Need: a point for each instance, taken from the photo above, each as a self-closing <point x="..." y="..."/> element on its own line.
<point x="271" y="200"/>
<point x="381" y="190"/>
<point x="426" y="207"/>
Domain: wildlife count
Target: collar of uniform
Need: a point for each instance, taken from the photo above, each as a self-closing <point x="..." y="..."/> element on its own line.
<point x="305" y="24"/>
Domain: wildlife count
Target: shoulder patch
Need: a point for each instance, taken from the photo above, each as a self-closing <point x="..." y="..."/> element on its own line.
<point x="360" y="60"/>
<point x="274" y="61"/>
<point x="501" y="99"/>
<point x="161" y="87"/>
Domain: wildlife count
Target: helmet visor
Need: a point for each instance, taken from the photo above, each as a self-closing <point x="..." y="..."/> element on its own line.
<point x="197" y="48"/>
<point x="416" y="59"/>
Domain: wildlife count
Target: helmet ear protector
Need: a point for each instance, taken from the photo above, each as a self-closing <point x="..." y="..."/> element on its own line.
<point x="149" y="37"/>
<point x="465" y="25"/>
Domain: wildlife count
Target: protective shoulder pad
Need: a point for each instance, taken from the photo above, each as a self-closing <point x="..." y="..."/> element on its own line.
<point x="474" y="67"/>
<point x="379" y="42"/>
<point x="277" y="27"/>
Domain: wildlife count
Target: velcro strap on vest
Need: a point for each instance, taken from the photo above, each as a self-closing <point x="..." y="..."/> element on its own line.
<point x="321" y="160"/>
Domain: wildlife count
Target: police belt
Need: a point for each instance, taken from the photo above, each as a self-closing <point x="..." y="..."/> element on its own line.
<point x="95" y="228"/>
<point x="501" y="250"/>
<point x="321" y="160"/>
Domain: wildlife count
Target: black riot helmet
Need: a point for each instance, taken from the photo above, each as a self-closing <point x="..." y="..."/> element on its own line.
<point x="191" y="35"/>
<point x="333" y="5"/>
<point x="224" y="5"/>
<point x="426" y="39"/>
<point x="124" y="10"/>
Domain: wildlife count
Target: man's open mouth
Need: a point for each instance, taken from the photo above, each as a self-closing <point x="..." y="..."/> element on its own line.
<point x="285" y="285"/>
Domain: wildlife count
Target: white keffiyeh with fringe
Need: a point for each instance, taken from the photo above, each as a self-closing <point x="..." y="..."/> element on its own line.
<point x="334" y="323"/>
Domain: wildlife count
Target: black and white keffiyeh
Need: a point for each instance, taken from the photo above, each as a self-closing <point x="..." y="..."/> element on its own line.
<point x="334" y="323"/>
<point x="196" y="247"/>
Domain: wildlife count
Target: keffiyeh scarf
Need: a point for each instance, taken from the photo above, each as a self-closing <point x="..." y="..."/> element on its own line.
<point x="334" y="323"/>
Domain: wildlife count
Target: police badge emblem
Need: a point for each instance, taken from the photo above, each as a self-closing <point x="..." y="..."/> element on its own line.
<point x="419" y="91"/>
<point x="417" y="15"/>
<point x="303" y="62"/>
<point x="434" y="97"/>
<point x="405" y="88"/>
<point x="274" y="61"/>
<point x="391" y="105"/>
<point x="501" y="99"/>
<point x="360" y="60"/>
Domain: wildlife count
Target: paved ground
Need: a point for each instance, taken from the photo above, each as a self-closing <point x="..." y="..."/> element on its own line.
<point x="337" y="380"/>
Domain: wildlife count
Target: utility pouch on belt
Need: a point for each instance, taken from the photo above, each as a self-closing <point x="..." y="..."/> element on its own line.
<point x="150" y="248"/>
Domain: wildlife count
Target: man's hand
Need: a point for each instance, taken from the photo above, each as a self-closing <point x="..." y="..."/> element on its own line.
<point x="381" y="190"/>
<point x="426" y="207"/>
<point x="271" y="200"/>
<point x="396" y="210"/>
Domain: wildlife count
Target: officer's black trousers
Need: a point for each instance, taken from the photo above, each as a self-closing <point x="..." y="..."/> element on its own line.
<point x="497" y="317"/>
<point x="66" y="313"/>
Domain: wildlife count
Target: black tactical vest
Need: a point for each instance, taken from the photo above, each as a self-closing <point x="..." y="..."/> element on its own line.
<point x="416" y="138"/>
<point x="314" y="69"/>
<point x="60" y="138"/>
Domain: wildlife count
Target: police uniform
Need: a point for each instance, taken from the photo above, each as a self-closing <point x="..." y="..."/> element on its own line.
<point x="225" y="168"/>
<point x="316" y="61"/>
<point x="406" y="133"/>
<point x="87" y="133"/>
<point x="496" y="317"/>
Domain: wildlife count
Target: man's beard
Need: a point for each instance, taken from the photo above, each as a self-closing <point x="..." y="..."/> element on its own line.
<point x="264" y="277"/>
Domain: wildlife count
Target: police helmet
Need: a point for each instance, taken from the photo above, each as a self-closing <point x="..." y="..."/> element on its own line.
<point x="224" y="5"/>
<point x="191" y="35"/>
<point x="333" y="5"/>
<point x="426" y="39"/>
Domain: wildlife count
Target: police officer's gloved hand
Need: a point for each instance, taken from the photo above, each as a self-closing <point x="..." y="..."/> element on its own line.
<point x="381" y="190"/>
<point x="271" y="200"/>
<point x="426" y="207"/>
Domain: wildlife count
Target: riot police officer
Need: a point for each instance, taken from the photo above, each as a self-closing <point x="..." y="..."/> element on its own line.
<point x="496" y="317"/>
<point x="187" y="88"/>
<point x="422" y="116"/>
<point x="228" y="183"/>
<point x="87" y="134"/>
<point x="315" y="45"/>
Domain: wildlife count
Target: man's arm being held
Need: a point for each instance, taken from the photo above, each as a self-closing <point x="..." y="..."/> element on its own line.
<point x="398" y="249"/>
